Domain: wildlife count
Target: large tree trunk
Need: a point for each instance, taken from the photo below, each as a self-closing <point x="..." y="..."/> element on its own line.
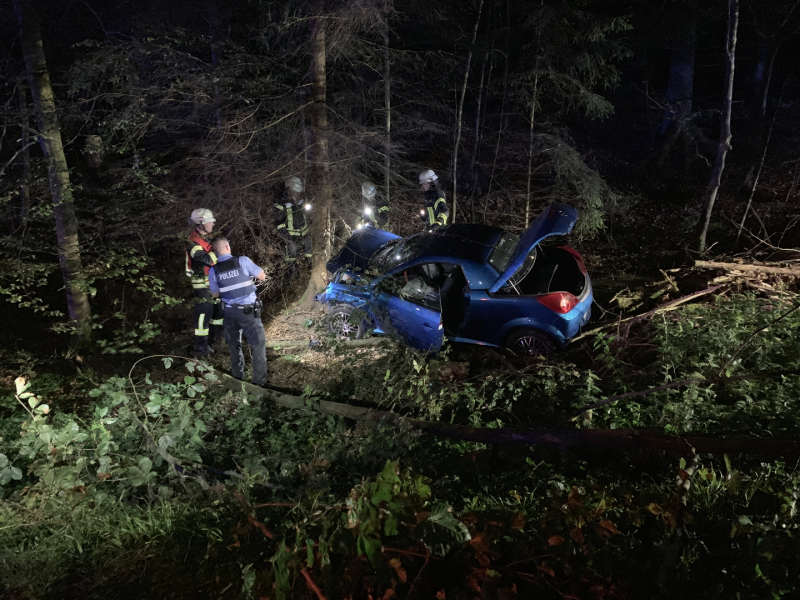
<point x="320" y="166"/>
<point x="69" y="253"/>
<point x="725" y="128"/>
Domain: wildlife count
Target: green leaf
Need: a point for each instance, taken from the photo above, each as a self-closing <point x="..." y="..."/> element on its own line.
<point x="189" y="380"/>
<point x="167" y="360"/>
<point x="443" y="516"/>
<point x="145" y="464"/>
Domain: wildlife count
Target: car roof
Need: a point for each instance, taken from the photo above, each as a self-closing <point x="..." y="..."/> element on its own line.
<point x="462" y="242"/>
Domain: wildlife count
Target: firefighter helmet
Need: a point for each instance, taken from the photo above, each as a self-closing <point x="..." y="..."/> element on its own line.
<point x="368" y="190"/>
<point x="427" y="177"/>
<point x="295" y="184"/>
<point x="201" y="216"/>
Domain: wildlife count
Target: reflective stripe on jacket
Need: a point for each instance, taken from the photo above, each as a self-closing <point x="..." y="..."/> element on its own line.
<point x="199" y="259"/>
<point x="232" y="280"/>
<point x="293" y="219"/>
<point x="436" y="209"/>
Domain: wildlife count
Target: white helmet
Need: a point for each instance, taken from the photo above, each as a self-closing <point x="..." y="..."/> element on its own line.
<point x="295" y="184"/>
<point x="201" y="216"/>
<point x="427" y="177"/>
<point x="368" y="190"/>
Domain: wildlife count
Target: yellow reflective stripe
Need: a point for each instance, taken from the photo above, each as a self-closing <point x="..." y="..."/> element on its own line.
<point x="383" y="209"/>
<point x="213" y="257"/>
<point x="431" y="216"/>
<point x="194" y="250"/>
<point x="438" y="200"/>
<point x="442" y="218"/>
<point x="290" y="220"/>
<point x="282" y="226"/>
<point x="216" y="322"/>
<point x="201" y="329"/>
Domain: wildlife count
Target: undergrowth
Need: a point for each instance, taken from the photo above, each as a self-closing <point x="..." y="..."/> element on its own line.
<point x="165" y="472"/>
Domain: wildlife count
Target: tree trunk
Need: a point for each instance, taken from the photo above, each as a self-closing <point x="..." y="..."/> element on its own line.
<point x="460" y="112"/>
<point x="534" y="97"/>
<point x="387" y="104"/>
<point x="24" y="186"/>
<point x="680" y="87"/>
<point x="725" y="128"/>
<point x="69" y="252"/>
<point x="320" y="165"/>
<point x="501" y="124"/>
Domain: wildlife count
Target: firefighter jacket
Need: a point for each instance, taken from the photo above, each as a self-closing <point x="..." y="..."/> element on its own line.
<point x="233" y="280"/>
<point x="199" y="259"/>
<point x="435" y="211"/>
<point x="292" y="219"/>
<point x="379" y="214"/>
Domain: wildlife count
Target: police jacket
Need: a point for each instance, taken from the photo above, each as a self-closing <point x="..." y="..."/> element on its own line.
<point x="435" y="211"/>
<point x="199" y="259"/>
<point x="233" y="282"/>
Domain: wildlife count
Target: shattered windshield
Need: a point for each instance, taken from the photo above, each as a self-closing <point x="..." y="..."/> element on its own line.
<point x="395" y="253"/>
<point x="503" y="251"/>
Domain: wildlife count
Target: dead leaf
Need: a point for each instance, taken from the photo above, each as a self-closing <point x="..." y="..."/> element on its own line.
<point x="440" y="595"/>
<point x="609" y="527"/>
<point x="555" y="540"/>
<point x="518" y="521"/>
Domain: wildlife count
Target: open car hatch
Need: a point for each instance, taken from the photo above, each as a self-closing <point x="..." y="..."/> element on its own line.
<point x="557" y="219"/>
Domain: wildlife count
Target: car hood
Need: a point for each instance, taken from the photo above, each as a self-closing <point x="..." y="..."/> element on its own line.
<point x="361" y="245"/>
<point x="557" y="219"/>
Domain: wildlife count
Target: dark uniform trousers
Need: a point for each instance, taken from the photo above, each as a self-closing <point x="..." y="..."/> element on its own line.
<point x="245" y="321"/>
<point x="207" y="317"/>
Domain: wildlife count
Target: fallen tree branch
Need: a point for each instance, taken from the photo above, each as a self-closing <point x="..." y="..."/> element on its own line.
<point x="748" y="267"/>
<point x="615" y="439"/>
<point x="671" y="305"/>
<point x="325" y="343"/>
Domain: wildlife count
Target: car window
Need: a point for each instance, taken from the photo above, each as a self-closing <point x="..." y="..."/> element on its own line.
<point x="503" y="251"/>
<point x="419" y="284"/>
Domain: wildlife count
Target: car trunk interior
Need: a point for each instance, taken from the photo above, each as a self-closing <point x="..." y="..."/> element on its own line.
<point x="553" y="269"/>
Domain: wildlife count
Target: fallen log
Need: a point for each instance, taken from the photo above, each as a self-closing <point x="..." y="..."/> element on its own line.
<point x="748" y="267"/>
<point x="278" y="345"/>
<point x="614" y="439"/>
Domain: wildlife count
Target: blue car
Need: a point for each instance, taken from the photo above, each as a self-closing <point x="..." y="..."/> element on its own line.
<point x="469" y="283"/>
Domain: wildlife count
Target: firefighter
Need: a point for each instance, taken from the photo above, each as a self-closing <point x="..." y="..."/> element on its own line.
<point x="293" y="220"/>
<point x="200" y="257"/>
<point x="374" y="209"/>
<point x="231" y="280"/>
<point x="435" y="211"/>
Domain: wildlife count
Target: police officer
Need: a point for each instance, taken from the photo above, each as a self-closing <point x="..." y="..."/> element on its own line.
<point x="231" y="280"/>
<point x="206" y="311"/>
<point x="374" y="209"/>
<point x="435" y="211"/>
<point x="293" y="220"/>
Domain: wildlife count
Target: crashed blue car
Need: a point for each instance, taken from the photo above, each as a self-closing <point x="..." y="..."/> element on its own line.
<point x="468" y="283"/>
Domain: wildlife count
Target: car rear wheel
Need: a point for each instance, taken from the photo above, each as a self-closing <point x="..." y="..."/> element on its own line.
<point x="345" y="321"/>
<point x="530" y="342"/>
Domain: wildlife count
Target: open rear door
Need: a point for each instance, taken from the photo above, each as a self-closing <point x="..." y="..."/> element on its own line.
<point x="557" y="219"/>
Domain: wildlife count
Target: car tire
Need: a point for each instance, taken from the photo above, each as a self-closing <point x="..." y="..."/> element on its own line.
<point x="345" y="321"/>
<point x="530" y="342"/>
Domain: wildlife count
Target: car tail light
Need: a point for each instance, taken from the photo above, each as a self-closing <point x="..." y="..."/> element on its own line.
<point x="578" y="257"/>
<point x="560" y="302"/>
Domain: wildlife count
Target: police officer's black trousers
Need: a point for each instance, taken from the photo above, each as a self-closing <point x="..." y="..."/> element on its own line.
<point x="246" y="323"/>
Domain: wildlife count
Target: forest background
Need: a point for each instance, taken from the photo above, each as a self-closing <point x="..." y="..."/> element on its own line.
<point x="670" y="126"/>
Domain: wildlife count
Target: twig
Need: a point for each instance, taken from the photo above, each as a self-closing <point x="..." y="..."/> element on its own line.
<point x="261" y="527"/>
<point x="311" y="585"/>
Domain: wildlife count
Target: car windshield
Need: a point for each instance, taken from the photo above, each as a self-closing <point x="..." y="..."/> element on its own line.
<point x="395" y="253"/>
<point x="503" y="251"/>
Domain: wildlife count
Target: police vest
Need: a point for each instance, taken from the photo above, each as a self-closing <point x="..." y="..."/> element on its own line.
<point x="232" y="280"/>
